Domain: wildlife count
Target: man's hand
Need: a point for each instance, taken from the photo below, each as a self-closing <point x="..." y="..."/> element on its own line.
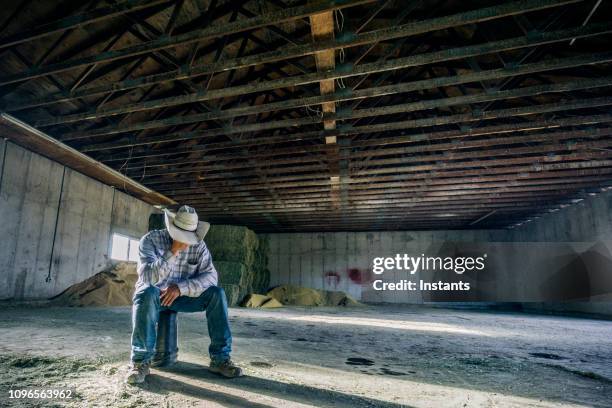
<point x="178" y="247"/>
<point x="169" y="295"/>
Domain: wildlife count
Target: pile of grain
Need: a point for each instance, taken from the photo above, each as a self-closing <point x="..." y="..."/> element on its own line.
<point x="239" y="256"/>
<point x="260" y="301"/>
<point x="113" y="286"/>
<point x="299" y="296"/>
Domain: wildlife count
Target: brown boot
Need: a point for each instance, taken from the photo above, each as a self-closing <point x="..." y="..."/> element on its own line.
<point x="226" y="368"/>
<point x="137" y="373"/>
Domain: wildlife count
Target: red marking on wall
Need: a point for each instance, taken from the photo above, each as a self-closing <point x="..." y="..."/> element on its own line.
<point x="359" y="276"/>
<point x="355" y="275"/>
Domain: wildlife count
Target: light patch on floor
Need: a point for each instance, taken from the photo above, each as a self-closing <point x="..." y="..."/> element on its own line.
<point x="389" y="324"/>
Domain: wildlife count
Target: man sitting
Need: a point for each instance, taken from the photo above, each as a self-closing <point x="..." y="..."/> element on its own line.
<point x="175" y="272"/>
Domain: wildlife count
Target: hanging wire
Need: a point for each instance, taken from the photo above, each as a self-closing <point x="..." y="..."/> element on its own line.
<point x="339" y="24"/>
<point x="124" y="165"/>
<point x="340" y="81"/>
<point x="317" y="112"/>
<point x="341" y="53"/>
<point x="144" y="171"/>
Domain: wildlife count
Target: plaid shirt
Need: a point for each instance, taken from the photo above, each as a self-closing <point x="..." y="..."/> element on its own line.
<point x="191" y="270"/>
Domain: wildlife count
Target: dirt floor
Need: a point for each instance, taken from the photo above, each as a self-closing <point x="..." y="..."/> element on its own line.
<point x="295" y="357"/>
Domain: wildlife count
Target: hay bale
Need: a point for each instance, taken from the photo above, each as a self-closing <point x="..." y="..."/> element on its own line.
<point x="234" y="273"/>
<point x="232" y="243"/>
<point x="261" y="273"/>
<point x="300" y="296"/>
<point x="226" y="235"/>
<point x="113" y="286"/>
<point x="232" y="293"/>
<point x="232" y="254"/>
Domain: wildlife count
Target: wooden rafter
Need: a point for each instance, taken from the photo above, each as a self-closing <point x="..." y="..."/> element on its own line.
<point x="432" y="117"/>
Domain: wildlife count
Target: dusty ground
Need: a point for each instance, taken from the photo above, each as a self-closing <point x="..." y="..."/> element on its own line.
<point x="361" y="357"/>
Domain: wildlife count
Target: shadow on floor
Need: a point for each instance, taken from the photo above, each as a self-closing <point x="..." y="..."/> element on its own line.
<point x="292" y="392"/>
<point x="159" y="384"/>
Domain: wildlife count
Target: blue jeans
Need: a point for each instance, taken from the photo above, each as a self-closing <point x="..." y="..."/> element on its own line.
<point x="145" y="314"/>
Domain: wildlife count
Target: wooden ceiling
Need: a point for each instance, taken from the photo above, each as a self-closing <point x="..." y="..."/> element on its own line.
<point x="326" y="115"/>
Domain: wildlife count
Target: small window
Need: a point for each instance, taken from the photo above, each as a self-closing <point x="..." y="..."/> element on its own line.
<point x="133" y="250"/>
<point x="124" y="248"/>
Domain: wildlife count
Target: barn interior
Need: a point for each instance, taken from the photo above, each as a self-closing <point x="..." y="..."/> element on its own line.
<point x="321" y="139"/>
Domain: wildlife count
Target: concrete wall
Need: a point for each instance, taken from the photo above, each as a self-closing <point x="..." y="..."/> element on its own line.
<point x="343" y="260"/>
<point x="585" y="229"/>
<point x="558" y="262"/>
<point x="29" y="200"/>
<point x="56" y="224"/>
<point x="589" y="220"/>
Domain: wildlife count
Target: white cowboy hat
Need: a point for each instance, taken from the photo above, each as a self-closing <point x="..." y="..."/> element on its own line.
<point x="184" y="225"/>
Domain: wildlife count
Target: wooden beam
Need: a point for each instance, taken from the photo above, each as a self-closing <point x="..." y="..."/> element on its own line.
<point x="438" y="153"/>
<point x="163" y="42"/>
<point x="431" y="121"/>
<point x="459" y="187"/>
<point x="439" y="169"/>
<point x="348" y="41"/>
<point x="465" y="131"/>
<point x="223" y="163"/>
<point x="344" y="115"/>
<point x="382" y="192"/>
<point x="215" y="171"/>
<point x="79" y="20"/>
<point x="322" y="29"/>
<point x="447" y="169"/>
<point x="511" y="175"/>
<point x="342" y="72"/>
<point x="32" y="139"/>
<point x="468" y="199"/>
<point x="403" y="212"/>
<point x="322" y="26"/>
